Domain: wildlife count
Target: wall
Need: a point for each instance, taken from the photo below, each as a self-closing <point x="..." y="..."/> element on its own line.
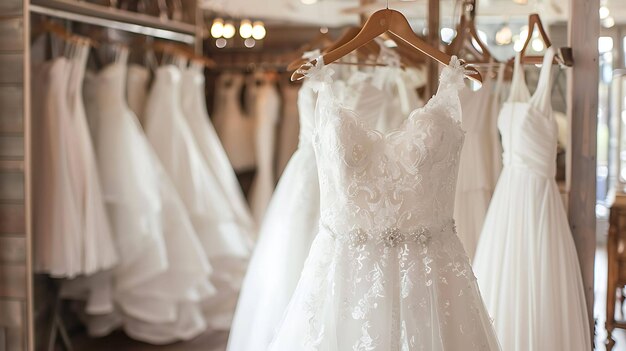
<point x="14" y="274"/>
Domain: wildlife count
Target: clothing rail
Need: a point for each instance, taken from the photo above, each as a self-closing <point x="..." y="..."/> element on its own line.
<point x="116" y="19"/>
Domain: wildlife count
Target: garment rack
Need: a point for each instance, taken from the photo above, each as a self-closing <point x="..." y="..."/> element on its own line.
<point x="116" y="19"/>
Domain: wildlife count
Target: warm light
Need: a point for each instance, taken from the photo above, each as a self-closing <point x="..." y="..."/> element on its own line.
<point x="221" y="43"/>
<point x="504" y="35"/>
<point x="608" y="22"/>
<point x="258" y="30"/>
<point x="518" y="43"/>
<point x="605" y="44"/>
<point x="323" y="30"/>
<point x="604" y="12"/>
<point x="537" y="44"/>
<point x="447" y="34"/>
<point x="217" y="29"/>
<point x="229" y="30"/>
<point x="245" y="29"/>
<point x="308" y="2"/>
<point x="521" y="2"/>
<point x="523" y="35"/>
<point x="249" y="43"/>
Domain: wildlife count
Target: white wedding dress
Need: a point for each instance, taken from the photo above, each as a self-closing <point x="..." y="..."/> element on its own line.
<point x="163" y="274"/>
<point x="224" y="239"/>
<point x="386" y="271"/>
<point x="137" y="82"/>
<point x="526" y="261"/>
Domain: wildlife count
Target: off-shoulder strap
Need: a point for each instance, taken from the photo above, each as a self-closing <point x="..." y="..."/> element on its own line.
<point x="542" y="97"/>
<point x="519" y="89"/>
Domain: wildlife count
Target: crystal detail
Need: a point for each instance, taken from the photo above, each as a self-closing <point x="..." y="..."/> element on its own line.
<point x="358" y="237"/>
<point x="392" y="237"/>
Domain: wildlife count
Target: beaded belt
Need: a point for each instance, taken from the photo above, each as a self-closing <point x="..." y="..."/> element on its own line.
<point x="391" y="236"/>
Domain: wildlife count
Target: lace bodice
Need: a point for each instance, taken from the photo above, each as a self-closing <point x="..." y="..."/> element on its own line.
<point x="398" y="184"/>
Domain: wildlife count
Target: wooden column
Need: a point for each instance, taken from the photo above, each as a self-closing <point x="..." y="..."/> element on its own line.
<point x="584" y="29"/>
<point x="433" y="39"/>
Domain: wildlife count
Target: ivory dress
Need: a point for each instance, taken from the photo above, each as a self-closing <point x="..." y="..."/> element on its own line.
<point x="386" y="271"/>
<point x="526" y="262"/>
<point x="225" y="241"/>
<point x="162" y="269"/>
<point x="137" y="81"/>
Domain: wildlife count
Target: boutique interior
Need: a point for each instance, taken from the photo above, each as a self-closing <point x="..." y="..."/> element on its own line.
<point x="299" y="175"/>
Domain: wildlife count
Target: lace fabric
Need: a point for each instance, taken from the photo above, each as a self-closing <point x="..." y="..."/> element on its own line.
<point x="387" y="271"/>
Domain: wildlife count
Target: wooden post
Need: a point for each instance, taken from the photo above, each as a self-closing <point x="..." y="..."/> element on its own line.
<point x="433" y="39"/>
<point x="584" y="30"/>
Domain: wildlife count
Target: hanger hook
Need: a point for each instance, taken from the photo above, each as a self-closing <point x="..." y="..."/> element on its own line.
<point x="387" y="4"/>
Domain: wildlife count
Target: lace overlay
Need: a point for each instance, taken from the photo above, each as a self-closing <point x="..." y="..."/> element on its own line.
<point x="387" y="271"/>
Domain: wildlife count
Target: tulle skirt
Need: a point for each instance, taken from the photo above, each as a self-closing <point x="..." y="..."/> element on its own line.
<point x="527" y="267"/>
<point x="410" y="297"/>
<point x="285" y="238"/>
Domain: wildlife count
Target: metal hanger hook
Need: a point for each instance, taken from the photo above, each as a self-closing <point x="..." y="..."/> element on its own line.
<point x="387" y="4"/>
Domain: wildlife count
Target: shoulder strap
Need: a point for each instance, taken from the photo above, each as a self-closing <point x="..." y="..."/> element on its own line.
<point x="542" y="97"/>
<point x="519" y="90"/>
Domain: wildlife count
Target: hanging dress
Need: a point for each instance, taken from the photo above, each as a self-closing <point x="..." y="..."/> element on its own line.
<point x="226" y="243"/>
<point x="162" y="267"/>
<point x="291" y="221"/>
<point x="265" y="111"/>
<point x="235" y="129"/>
<point x="195" y="111"/>
<point x="526" y="261"/>
<point x="137" y="89"/>
<point x="473" y="191"/>
<point x="386" y="270"/>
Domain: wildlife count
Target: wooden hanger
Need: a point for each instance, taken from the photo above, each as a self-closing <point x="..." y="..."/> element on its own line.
<point x="466" y="36"/>
<point x="397" y="27"/>
<point x="535" y="21"/>
<point x="56" y="29"/>
<point x="182" y="50"/>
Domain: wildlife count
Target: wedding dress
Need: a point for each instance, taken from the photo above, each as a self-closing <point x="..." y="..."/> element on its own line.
<point x="526" y="261"/>
<point x="387" y="271"/>
<point x="162" y="267"/>
<point x="291" y="221"/>
<point x="195" y="111"/>
<point x="72" y="233"/>
<point x="235" y="129"/>
<point x="473" y="190"/>
<point x="265" y="111"/>
<point x="225" y="241"/>
<point x="137" y="89"/>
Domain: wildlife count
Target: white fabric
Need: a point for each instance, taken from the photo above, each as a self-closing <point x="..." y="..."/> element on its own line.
<point x="138" y="78"/>
<point x="224" y="240"/>
<point x="386" y="271"/>
<point x="235" y="129"/>
<point x="474" y="185"/>
<point x="72" y="235"/>
<point x="526" y="262"/>
<point x="162" y="268"/>
<point x="265" y="109"/>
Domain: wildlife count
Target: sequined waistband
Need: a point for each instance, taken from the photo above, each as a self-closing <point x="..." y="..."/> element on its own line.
<point x="391" y="236"/>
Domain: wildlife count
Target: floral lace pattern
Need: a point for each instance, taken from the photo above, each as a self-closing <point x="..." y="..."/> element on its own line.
<point x="387" y="271"/>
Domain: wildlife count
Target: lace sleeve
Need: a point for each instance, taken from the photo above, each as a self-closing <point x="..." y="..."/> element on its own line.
<point x="451" y="81"/>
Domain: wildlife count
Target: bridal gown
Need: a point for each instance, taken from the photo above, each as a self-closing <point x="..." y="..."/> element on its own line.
<point x="386" y="271"/>
<point x="72" y="234"/>
<point x="265" y="109"/>
<point x="474" y="187"/>
<point x="137" y="81"/>
<point x="195" y="111"/>
<point x="162" y="270"/>
<point x="225" y="241"/>
<point x="291" y="222"/>
<point x="526" y="261"/>
<point x="235" y="129"/>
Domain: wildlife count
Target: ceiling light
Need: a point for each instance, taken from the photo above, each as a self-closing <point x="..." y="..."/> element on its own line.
<point x="604" y="12"/>
<point x="245" y="29"/>
<point x="221" y="43"/>
<point x="258" y="30"/>
<point x="521" y="2"/>
<point x="308" y="2"/>
<point x="504" y="35"/>
<point x="523" y="35"/>
<point x="323" y="30"/>
<point x="518" y="43"/>
<point x="229" y="30"/>
<point x="217" y="29"/>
